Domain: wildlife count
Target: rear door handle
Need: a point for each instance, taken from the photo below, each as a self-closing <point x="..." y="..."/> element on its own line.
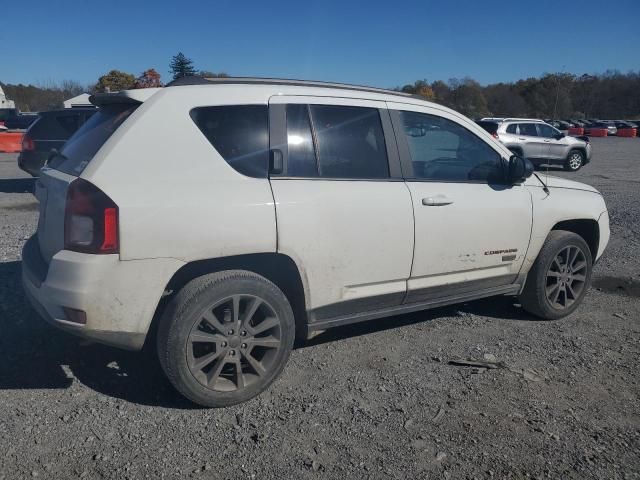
<point x="437" y="201"/>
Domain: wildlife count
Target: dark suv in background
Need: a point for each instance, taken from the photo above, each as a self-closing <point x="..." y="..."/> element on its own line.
<point x="51" y="130"/>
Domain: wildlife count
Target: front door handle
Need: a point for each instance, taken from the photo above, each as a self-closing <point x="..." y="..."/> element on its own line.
<point x="437" y="201"/>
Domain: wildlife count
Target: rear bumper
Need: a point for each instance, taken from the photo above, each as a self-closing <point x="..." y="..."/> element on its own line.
<point x="118" y="297"/>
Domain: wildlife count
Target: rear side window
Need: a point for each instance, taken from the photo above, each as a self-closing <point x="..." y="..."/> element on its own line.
<point x="513" y="128"/>
<point x="240" y="134"/>
<point x="528" y="129"/>
<point x="350" y="142"/>
<point x="85" y="143"/>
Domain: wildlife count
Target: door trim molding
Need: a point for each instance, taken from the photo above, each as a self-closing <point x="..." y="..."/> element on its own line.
<point x="512" y="289"/>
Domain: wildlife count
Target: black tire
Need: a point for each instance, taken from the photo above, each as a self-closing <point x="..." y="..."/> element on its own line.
<point x="546" y="273"/>
<point x="574" y="161"/>
<point x="191" y="325"/>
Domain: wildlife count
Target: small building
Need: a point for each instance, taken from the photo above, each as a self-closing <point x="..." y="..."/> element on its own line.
<point x="81" y="100"/>
<point x="4" y="101"/>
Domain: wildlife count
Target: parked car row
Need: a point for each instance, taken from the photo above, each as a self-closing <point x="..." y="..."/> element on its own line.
<point x="539" y="142"/>
<point x="612" y="126"/>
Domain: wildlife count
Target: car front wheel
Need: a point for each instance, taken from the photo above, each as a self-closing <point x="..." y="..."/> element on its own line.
<point x="559" y="278"/>
<point x="575" y="160"/>
<point x="225" y="337"/>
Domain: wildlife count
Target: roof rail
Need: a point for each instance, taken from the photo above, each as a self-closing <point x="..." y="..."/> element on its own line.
<point x="196" y="80"/>
<point x="522" y="120"/>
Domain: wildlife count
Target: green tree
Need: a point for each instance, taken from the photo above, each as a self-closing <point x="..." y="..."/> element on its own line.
<point x="115" y="81"/>
<point x="467" y="97"/>
<point x="181" y="66"/>
<point x="149" y="79"/>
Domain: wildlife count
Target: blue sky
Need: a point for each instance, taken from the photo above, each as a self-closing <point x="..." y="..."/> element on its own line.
<point x="380" y="43"/>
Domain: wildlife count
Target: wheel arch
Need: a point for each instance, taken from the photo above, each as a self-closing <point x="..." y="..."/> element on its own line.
<point x="587" y="228"/>
<point x="580" y="148"/>
<point x="275" y="267"/>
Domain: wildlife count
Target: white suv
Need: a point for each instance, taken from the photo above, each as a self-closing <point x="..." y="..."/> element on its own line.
<point x="237" y="215"/>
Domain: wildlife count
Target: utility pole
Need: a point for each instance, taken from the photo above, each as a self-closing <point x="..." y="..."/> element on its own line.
<point x="555" y="106"/>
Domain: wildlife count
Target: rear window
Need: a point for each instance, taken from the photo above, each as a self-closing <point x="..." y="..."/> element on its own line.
<point x="55" y="126"/>
<point x="240" y="134"/>
<point x="528" y="129"/>
<point x="491" y="127"/>
<point x="85" y="143"/>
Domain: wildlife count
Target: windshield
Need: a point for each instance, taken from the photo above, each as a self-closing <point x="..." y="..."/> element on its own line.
<point x="85" y="143"/>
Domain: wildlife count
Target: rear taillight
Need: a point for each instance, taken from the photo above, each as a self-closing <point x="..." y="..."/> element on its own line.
<point x="90" y="220"/>
<point x="494" y="135"/>
<point x="27" y="144"/>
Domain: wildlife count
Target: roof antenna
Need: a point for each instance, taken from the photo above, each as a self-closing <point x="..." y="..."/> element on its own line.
<point x="545" y="189"/>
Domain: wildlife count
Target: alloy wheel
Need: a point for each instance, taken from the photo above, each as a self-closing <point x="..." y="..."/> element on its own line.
<point x="575" y="161"/>
<point x="566" y="277"/>
<point x="234" y="343"/>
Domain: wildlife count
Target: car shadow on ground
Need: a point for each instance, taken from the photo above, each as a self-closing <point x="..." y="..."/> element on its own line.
<point x="549" y="168"/>
<point x="17" y="185"/>
<point x="35" y="355"/>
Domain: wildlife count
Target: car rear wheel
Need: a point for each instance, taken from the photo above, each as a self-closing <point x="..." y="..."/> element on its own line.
<point x="225" y="337"/>
<point x="559" y="278"/>
<point x="574" y="161"/>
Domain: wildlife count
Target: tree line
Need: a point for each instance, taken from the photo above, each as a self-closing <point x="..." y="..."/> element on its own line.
<point x="610" y="95"/>
<point x="32" y="98"/>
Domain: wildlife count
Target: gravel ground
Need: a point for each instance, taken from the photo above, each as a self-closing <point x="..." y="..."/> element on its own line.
<point x="376" y="400"/>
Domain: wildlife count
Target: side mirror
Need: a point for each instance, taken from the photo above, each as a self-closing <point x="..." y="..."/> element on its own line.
<point x="519" y="169"/>
<point x="559" y="136"/>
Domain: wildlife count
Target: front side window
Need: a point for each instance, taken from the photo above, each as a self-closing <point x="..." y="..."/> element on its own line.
<point x="240" y="134"/>
<point x="528" y="129"/>
<point x="350" y="142"/>
<point x="547" y="131"/>
<point x="442" y="150"/>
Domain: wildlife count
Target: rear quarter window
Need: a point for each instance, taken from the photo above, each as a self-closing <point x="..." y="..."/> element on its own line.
<point x="239" y="133"/>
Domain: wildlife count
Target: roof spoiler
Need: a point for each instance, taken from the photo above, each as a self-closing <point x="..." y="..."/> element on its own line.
<point x="131" y="97"/>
